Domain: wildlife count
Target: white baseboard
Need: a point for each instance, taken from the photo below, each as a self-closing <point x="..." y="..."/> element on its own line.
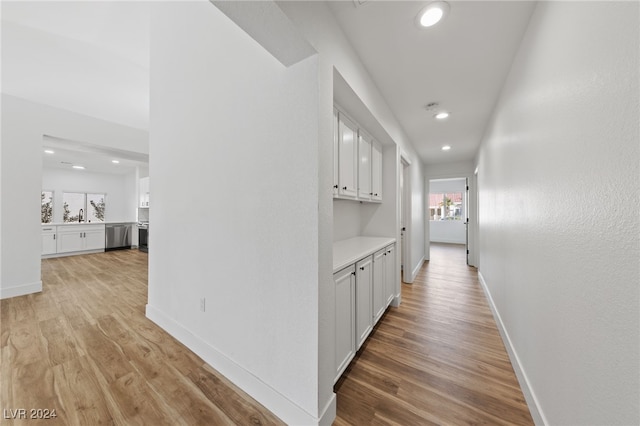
<point x="20" y="290"/>
<point x="275" y="402"/>
<point x="529" y="395"/>
<point x="415" y="271"/>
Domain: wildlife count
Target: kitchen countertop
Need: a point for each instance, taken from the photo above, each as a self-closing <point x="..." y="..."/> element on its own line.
<point x="347" y="252"/>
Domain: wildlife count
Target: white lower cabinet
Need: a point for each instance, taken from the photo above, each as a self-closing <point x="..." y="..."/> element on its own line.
<point x="49" y="243"/>
<point x="363" y="291"/>
<point x="364" y="308"/>
<point x="390" y="274"/>
<point x="80" y="238"/>
<point x="345" y="281"/>
<point x="384" y="280"/>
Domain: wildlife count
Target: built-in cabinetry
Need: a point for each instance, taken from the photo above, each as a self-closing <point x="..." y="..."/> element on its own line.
<point x="364" y="278"/>
<point x="70" y="238"/>
<point x="357" y="158"/>
<point x="143" y="191"/>
<point x="49" y="241"/>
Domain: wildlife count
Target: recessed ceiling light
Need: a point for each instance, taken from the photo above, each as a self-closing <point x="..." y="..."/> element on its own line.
<point x="432" y="14"/>
<point x="446" y="148"/>
<point x="48" y="151"/>
<point x="115" y="161"/>
<point x="79" y="167"/>
<point x="441" y="115"/>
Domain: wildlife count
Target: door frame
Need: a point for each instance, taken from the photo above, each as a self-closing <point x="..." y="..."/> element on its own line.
<point x="405" y="212"/>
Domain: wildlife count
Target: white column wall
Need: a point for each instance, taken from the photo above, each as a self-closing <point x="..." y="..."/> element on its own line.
<point x="234" y="166"/>
<point x="559" y="202"/>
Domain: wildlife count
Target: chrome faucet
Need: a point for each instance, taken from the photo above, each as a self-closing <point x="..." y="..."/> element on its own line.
<point x="81" y="215"/>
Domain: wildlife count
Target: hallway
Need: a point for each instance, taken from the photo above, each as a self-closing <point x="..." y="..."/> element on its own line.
<point x="437" y="359"/>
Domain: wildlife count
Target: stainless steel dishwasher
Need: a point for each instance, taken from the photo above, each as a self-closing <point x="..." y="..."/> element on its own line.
<point x="117" y="236"/>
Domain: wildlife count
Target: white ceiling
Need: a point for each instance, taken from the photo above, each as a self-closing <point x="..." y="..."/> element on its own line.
<point x="87" y="57"/>
<point x="461" y="63"/>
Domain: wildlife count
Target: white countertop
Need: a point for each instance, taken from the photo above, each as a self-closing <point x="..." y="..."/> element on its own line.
<point x="348" y="252"/>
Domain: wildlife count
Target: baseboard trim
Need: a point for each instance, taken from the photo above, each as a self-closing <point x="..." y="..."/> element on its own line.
<point x="529" y="395"/>
<point x="20" y="290"/>
<point x="415" y="271"/>
<point x="275" y="402"/>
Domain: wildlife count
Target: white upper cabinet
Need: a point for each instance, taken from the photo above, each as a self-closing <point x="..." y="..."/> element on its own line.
<point x="336" y="179"/>
<point x="357" y="161"/>
<point x="347" y="158"/>
<point x="364" y="166"/>
<point x="376" y="171"/>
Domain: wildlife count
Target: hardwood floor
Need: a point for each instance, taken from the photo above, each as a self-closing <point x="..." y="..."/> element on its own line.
<point x="84" y="348"/>
<point x="436" y="359"/>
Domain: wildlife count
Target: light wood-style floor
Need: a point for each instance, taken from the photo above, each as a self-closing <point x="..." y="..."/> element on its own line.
<point x="436" y="359"/>
<point x="84" y="348"/>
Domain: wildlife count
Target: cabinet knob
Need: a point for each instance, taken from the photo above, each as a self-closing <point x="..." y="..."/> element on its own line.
<point x="362" y="268"/>
<point x="335" y="186"/>
<point x="353" y="273"/>
<point x="344" y="187"/>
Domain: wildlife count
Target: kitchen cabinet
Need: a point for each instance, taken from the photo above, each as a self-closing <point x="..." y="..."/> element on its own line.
<point x="384" y="267"/>
<point x="390" y="273"/>
<point x="336" y="148"/>
<point x="80" y="238"/>
<point x="143" y="191"/>
<point x="347" y="158"/>
<point x="376" y="171"/>
<point x="364" y="166"/>
<point x="345" y="318"/>
<point x="379" y="276"/>
<point x="49" y="242"/>
<point x="364" y="308"/>
<point x="357" y="161"/>
<point x="359" y="265"/>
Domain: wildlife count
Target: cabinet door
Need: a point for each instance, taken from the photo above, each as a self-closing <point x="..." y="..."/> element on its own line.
<point x="364" y="166"/>
<point x="364" y="311"/>
<point x="70" y="241"/>
<point x="49" y="242"/>
<point x="336" y="162"/>
<point x="347" y="157"/>
<point x="376" y="171"/>
<point x="379" y="276"/>
<point x="390" y="273"/>
<point x="94" y="239"/>
<point x="345" y="318"/>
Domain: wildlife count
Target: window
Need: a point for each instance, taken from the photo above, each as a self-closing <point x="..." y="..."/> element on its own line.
<point x="81" y="207"/>
<point x="46" y="210"/>
<point x="446" y="206"/>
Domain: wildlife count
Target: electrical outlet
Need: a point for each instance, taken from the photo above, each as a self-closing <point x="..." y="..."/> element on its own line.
<point x="203" y="305"/>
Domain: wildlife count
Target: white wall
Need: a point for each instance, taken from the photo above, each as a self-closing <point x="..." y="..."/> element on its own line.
<point x="234" y="164"/>
<point x="120" y="190"/>
<point x="23" y="125"/>
<point x="559" y="224"/>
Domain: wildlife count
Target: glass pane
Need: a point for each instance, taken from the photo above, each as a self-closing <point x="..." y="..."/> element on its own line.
<point x="46" y="211"/>
<point x="95" y="207"/>
<point x="73" y="205"/>
<point x="452" y="206"/>
<point x="435" y="206"/>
